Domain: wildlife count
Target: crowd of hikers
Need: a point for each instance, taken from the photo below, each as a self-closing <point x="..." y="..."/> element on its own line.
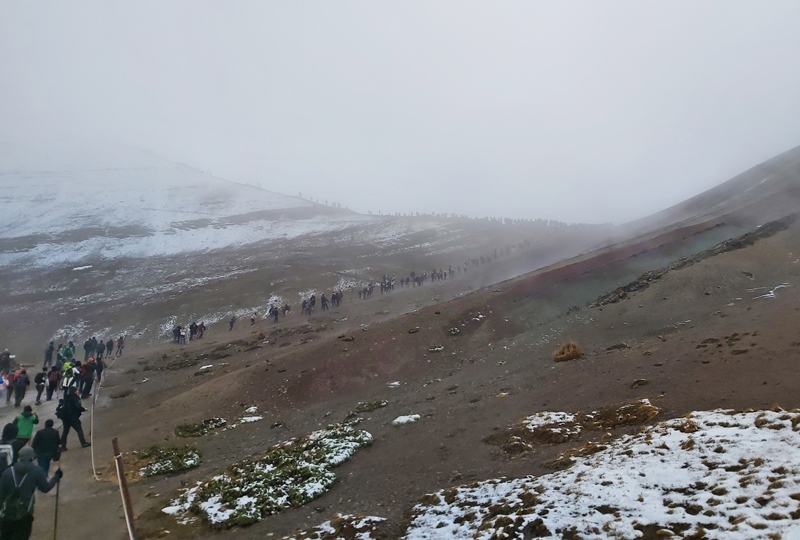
<point x="63" y="377"/>
<point x="68" y="379"/>
<point x="386" y="284"/>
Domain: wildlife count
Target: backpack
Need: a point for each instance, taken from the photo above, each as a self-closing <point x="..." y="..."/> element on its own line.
<point x="53" y="378"/>
<point x="14" y="508"/>
<point x="6" y="457"/>
<point x="60" y="409"/>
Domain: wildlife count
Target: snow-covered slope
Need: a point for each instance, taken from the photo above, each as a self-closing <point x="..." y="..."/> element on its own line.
<point x="115" y="187"/>
<point x="64" y="202"/>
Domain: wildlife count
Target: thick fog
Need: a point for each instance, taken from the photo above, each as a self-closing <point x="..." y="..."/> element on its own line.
<point x="577" y="111"/>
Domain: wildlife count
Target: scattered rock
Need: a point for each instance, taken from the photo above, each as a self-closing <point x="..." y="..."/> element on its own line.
<point x="639" y="382"/>
<point x="413" y="330"/>
<point x="618" y="347"/>
<point x="122" y="393"/>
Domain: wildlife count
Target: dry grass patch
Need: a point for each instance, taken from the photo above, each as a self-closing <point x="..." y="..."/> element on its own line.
<point x="568" y="351"/>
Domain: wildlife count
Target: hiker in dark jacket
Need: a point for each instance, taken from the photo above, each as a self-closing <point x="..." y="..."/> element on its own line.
<point x="5" y="362"/>
<point x="23" y="478"/>
<point x="41" y="384"/>
<point x="87" y="349"/>
<point x="71" y="417"/>
<point x="47" y="443"/>
<point x="99" y="366"/>
<point x="59" y="356"/>
<point x="48" y="354"/>
<point x="109" y="347"/>
<point x="101" y="349"/>
<point x="52" y="382"/>
<point x="21" y="385"/>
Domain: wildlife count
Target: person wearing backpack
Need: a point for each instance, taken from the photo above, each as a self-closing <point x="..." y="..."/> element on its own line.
<point x="87" y="378"/>
<point x="100" y="365"/>
<point x="41" y="382"/>
<point x="18" y="485"/>
<point x="48" y="354"/>
<point x="21" y="384"/>
<point x="52" y="383"/>
<point x="71" y="377"/>
<point x="70" y="415"/>
<point x="69" y="352"/>
<point x="9" y="379"/>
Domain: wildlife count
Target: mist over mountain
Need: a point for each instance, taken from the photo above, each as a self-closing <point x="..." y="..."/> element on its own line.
<point x="64" y="201"/>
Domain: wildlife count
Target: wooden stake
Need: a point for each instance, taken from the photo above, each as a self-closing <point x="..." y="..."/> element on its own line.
<point x="123" y="490"/>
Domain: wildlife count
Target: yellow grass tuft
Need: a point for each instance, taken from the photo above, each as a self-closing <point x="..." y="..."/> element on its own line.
<point x="568" y="351"/>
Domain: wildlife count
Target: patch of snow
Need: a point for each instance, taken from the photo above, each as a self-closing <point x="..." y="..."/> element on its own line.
<point x="719" y="474"/>
<point x="771" y="293"/>
<point x="408" y="419"/>
<point x="251" y="410"/>
<point x="289" y="475"/>
<point x="395" y="384"/>
<point x="556" y="422"/>
<point x="250" y="419"/>
<point x="78" y="268"/>
<point x="362" y="527"/>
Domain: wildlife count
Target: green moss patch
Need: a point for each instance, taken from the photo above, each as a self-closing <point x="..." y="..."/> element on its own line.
<point x="288" y="475"/>
<point x="158" y="460"/>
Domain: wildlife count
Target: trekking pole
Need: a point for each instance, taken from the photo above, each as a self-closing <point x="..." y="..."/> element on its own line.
<point x="55" y="524"/>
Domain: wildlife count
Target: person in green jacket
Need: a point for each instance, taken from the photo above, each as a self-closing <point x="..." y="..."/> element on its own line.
<point x="69" y="351"/>
<point x="25" y="422"/>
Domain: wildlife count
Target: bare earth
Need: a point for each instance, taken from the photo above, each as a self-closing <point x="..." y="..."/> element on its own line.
<point x="699" y="338"/>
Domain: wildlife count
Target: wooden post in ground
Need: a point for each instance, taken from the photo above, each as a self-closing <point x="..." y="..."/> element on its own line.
<point x="123" y="490"/>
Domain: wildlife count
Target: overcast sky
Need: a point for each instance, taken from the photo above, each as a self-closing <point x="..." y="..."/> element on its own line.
<point x="578" y="111"/>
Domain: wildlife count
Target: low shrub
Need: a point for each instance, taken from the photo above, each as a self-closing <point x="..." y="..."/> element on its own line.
<point x="568" y="351"/>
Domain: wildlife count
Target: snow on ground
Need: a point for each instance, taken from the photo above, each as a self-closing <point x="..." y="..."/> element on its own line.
<point x="168" y="460"/>
<point x="289" y="475"/>
<point x="714" y="474"/>
<point x="346" y="283"/>
<point x="113" y="186"/>
<point x="109" y="201"/>
<point x="408" y="419"/>
<point x="343" y="526"/>
<point x="555" y="422"/>
<point x="771" y="293"/>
